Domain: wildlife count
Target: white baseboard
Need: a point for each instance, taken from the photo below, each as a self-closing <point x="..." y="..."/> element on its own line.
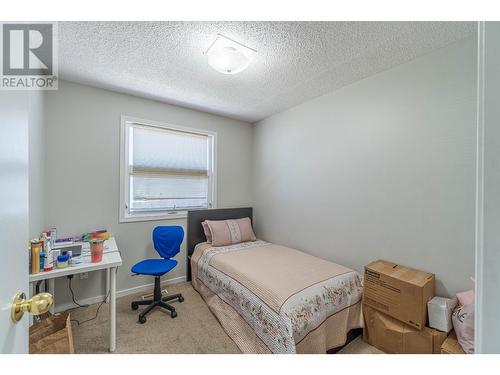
<point x="119" y="293"/>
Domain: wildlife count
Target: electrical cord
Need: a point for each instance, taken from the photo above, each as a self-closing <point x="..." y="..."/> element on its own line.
<point x="96" y="313"/>
<point x="70" y="277"/>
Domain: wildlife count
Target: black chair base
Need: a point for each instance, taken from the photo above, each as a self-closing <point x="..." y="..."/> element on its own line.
<point x="157" y="300"/>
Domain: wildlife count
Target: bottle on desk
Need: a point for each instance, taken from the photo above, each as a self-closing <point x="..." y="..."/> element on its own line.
<point x="53" y="237"/>
<point x="36" y="249"/>
<point x="43" y="258"/>
<point x="49" y="253"/>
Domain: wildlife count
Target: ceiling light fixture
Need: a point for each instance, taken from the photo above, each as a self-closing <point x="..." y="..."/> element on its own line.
<point x="229" y="56"/>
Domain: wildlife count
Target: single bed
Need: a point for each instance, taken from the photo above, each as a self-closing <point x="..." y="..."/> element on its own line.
<point x="271" y="298"/>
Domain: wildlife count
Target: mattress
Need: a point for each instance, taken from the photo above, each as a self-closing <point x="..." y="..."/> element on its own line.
<point x="275" y="299"/>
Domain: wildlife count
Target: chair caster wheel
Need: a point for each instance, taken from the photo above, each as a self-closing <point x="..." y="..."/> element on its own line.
<point x="173" y="314"/>
<point x="181" y="299"/>
<point x="142" y="319"/>
<point x="134" y="306"/>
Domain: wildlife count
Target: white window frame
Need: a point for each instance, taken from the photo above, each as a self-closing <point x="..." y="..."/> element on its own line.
<point x="125" y="215"/>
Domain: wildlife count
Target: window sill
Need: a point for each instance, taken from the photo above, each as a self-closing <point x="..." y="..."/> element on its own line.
<point x="154" y="217"/>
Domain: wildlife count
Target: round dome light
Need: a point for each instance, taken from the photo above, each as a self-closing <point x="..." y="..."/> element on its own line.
<point x="227" y="60"/>
<point x="228" y="56"/>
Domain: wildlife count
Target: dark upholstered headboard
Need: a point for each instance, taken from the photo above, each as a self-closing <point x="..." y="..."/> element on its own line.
<point x="195" y="234"/>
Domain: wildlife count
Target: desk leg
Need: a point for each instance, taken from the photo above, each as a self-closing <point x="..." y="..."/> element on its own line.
<point x="52" y="290"/>
<point x="112" y="310"/>
<point x="107" y="285"/>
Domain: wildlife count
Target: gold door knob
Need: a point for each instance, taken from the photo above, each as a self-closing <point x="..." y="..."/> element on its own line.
<point x="38" y="304"/>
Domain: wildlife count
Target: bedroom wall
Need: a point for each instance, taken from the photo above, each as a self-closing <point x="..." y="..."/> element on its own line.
<point x="382" y="168"/>
<point x="82" y="174"/>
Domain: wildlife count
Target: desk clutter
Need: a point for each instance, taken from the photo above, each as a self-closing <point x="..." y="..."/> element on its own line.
<point x="402" y="314"/>
<point x="97" y="255"/>
<point x="48" y="252"/>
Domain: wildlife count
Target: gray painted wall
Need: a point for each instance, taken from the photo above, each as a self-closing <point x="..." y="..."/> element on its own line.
<point x="82" y="172"/>
<point x="489" y="263"/>
<point x="382" y="168"/>
<point x="36" y="136"/>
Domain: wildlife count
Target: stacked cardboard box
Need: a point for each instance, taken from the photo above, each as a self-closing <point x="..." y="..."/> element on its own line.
<point x="395" y="309"/>
<point x="451" y="345"/>
<point x="392" y="336"/>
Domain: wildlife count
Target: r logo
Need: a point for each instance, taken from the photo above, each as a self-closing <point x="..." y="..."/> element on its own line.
<point x="27" y="49"/>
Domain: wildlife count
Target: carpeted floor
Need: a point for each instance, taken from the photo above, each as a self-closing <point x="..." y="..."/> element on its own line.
<point x="195" y="330"/>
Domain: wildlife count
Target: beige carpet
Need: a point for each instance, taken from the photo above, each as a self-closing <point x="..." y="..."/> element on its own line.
<point x="195" y="330"/>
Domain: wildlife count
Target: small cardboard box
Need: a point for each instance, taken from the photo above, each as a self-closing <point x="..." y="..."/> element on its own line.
<point x="398" y="291"/>
<point x="392" y="336"/>
<point x="451" y="345"/>
<point x="440" y="309"/>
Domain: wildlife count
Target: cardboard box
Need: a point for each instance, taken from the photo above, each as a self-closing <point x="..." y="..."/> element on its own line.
<point x="392" y="336"/>
<point x="451" y="345"/>
<point x="398" y="291"/>
<point x="440" y="309"/>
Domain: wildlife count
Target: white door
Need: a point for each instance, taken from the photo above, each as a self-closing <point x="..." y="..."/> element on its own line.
<point x="14" y="110"/>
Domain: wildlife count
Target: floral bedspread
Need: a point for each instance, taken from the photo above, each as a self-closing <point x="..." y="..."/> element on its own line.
<point x="299" y="315"/>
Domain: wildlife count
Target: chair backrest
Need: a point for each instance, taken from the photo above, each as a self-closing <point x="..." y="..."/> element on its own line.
<point x="167" y="240"/>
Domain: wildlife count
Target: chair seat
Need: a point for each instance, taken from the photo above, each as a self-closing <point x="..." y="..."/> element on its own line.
<point x="154" y="267"/>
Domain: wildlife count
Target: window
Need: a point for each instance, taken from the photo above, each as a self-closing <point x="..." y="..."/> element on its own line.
<point x="165" y="170"/>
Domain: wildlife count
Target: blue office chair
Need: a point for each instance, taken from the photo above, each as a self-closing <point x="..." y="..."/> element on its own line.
<point x="167" y="242"/>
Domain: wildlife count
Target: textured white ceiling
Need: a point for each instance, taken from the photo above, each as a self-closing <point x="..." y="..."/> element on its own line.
<point x="296" y="61"/>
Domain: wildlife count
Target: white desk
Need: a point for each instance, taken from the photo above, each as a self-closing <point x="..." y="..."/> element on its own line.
<point x="111" y="260"/>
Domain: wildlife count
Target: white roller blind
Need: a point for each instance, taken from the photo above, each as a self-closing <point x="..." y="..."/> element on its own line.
<point x="168" y="169"/>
